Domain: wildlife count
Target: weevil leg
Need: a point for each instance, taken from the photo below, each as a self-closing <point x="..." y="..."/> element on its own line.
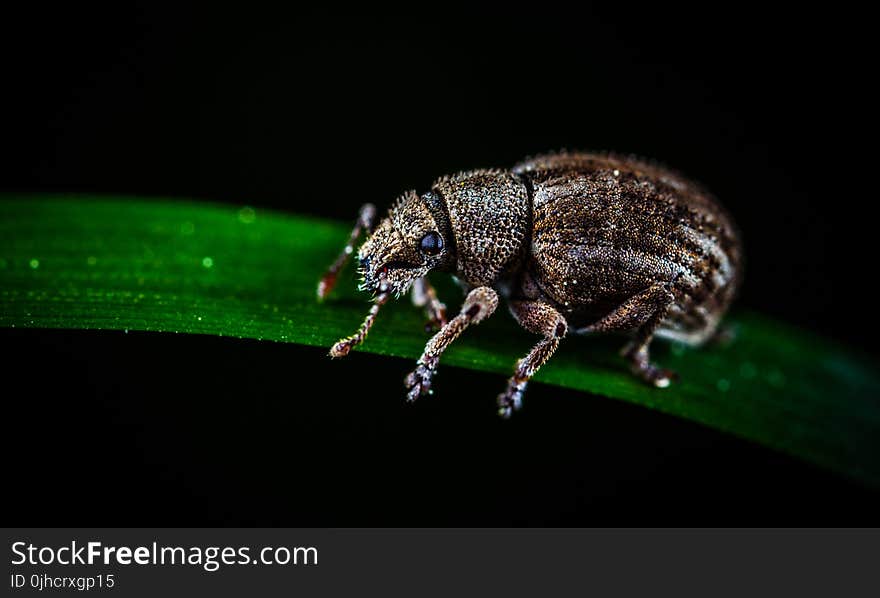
<point x="424" y="295"/>
<point x="540" y="318"/>
<point x="643" y="313"/>
<point x="479" y="304"/>
<point x="365" y="223"/>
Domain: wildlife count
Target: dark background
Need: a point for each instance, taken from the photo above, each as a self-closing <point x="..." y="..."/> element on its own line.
<point x="318" y="112"/>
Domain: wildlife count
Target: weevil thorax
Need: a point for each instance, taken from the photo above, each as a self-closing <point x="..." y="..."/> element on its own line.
<point x="490" y="217"/>
<point x="410" y="241"/>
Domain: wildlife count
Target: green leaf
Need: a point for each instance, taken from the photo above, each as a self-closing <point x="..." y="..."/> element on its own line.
<point x="123" y="263"/>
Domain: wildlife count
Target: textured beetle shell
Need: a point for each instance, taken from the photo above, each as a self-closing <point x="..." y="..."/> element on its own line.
<point x="607" y="227"/>
<point x="490" y="215"/>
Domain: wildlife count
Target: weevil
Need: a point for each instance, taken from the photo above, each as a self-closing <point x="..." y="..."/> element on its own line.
<point x="575" y="243"/>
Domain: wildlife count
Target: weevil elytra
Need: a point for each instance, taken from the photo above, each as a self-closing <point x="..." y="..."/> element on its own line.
<point x="576" y="243"/>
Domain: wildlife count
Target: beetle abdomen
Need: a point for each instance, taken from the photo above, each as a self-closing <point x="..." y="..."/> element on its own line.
<point x="608" y="227"/>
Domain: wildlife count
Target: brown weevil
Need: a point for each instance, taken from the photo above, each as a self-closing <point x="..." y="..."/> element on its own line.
<point x="577" y="243"/>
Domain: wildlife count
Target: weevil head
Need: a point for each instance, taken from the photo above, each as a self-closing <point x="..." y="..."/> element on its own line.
<point x="409" y="242"/>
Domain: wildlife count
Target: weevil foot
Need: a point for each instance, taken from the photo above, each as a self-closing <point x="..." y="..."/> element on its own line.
<point x="511" y="399"/>
<point x="436" y="317"/>
<point x="656" y="376"/>
<point x="341" y="348"/>
<point x="642" y="367"/>
<point x="418" y="382"/>
<point x="424" y="295"/>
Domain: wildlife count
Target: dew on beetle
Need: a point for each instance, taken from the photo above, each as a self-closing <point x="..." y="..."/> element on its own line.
<point x="208" y="262"/>
<point x="34" y="263"/>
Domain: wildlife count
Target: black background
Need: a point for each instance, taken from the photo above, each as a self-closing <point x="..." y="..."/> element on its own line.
<point x="319" y="111"/>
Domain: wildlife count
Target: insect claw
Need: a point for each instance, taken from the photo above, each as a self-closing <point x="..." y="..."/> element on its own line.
<point x="412" y="395"/>
<point x="340" y="349"/>
<point x="419" y="382"/>
<point x="511" y="399"/>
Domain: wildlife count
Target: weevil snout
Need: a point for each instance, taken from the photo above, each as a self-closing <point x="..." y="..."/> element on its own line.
<point x="404" y="246"/>
<point x="399" y="250"/>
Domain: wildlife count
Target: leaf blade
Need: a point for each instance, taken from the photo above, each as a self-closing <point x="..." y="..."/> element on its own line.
<point x="124" y="263"/>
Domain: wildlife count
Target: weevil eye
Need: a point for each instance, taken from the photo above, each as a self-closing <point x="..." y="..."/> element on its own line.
<point x="431" y="244"/>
